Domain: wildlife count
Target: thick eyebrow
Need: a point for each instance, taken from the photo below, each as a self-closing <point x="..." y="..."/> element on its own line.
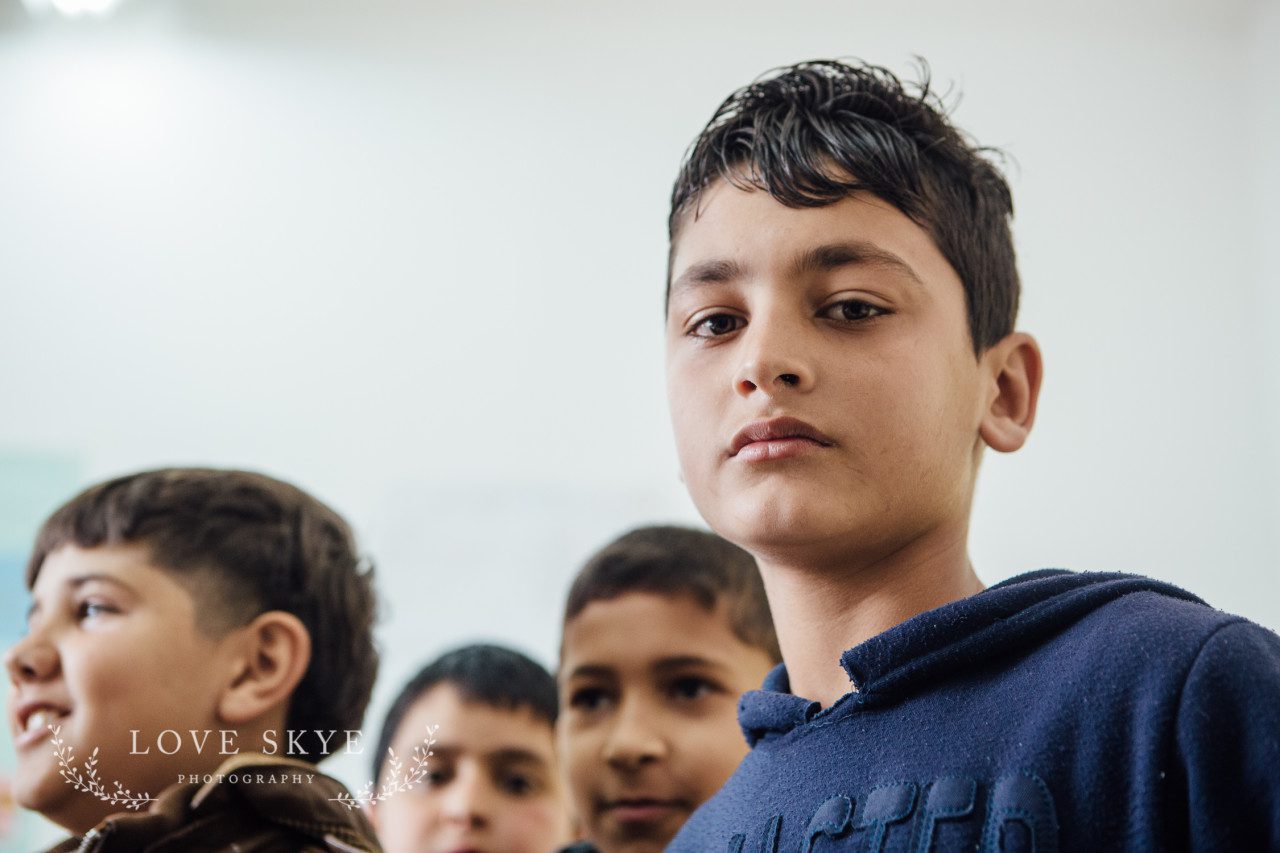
<point x="590" y="670"/>
<point x="503" y="755"/>
<point x="683" y="662"/>
<point x="80" y="580"/>
<point x="661" y="665"/>
<point x="824" y="258"/>
<point x="515" y="754"/>
<point x="832" y="256"/>
<point x="714" y="271"/>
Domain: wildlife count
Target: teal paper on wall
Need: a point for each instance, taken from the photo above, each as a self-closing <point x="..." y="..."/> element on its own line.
<point x="31" y="486"/>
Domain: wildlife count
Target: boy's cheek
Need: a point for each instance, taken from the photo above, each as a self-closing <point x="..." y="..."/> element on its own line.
<point x="709" y="752"/>
<point x="581" y="766"/>
<point x="539" y="822"/>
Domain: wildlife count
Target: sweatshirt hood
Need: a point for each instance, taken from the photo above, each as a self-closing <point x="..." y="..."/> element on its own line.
<point x="1012" y="616"/>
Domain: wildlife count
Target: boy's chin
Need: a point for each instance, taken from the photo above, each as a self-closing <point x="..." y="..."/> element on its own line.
<point x="36" y="783"/>
<point x="38" y="786"/>
<point x="58" y="802"/>
<point x="789" y="531"/>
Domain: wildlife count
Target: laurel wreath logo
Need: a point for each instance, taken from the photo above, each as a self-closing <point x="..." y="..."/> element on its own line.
<point x="88" y="780"/>
<point x="398" y="779"/>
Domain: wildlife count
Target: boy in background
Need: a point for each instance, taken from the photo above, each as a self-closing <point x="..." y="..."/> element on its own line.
<point x="494" y="785"/>
<point x="664" y="629"/>
<point x="840" y="350"/>
<point x="201" y="635"/>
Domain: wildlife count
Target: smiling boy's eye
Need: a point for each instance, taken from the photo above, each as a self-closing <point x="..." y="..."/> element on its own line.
<point x="92" y="607"/>
<point x="852" y="311"/>
<point x="715" y="325"/>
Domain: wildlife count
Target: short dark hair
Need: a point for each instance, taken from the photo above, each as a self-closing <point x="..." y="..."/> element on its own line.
<point x="680" y="561"/>
<point x="813" y="133"/>
<point x="491" y="675"/>
<point x="245" y="544"/>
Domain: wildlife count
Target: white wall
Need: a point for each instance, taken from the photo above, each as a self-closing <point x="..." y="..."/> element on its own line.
<point x="410" y="255"/>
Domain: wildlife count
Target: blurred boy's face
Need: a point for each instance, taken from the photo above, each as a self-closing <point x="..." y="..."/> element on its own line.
<point x="822" y="382"/>
<point x="492" y="786"/>
<point x="649" y="689"/>
<point x="112" y="645"/>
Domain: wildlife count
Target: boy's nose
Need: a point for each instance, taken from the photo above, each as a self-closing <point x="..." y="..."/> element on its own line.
<point x="772" y="361"/>
<point x="755" y="376"/>
<point x="30" y="660"/>
<point x="633" y="743"/>
<point x="468" y="801"/>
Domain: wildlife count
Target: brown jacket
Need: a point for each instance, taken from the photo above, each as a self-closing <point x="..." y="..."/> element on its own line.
<point x="244" y="815"/>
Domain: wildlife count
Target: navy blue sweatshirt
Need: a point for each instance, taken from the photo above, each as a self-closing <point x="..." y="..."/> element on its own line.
<point x="1053" y="712"/>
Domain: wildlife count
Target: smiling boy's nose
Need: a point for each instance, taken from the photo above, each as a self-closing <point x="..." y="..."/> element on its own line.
<point x="30" y="660"/>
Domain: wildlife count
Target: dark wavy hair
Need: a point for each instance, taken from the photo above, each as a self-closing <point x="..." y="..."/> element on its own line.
<point x="490" y="675"/>
<point x="246" y="544"/>
<point x="680" y="561"/>
<point x="814" y="133"/>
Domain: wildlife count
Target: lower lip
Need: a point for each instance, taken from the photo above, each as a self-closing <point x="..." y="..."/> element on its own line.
<point x="777" y="448"/>
<point x="641" y="812"/>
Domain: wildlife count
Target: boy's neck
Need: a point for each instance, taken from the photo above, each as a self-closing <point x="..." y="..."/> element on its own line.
<point x="822" y="610"/>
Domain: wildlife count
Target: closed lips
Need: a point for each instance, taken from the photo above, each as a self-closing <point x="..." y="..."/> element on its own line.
<point x="642" y="809"/>
<point x="777" y="429"/>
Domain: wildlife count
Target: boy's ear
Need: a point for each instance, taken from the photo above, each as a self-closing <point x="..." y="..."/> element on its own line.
<point x="271" y="656"/>
<point x="1015" y="370"/>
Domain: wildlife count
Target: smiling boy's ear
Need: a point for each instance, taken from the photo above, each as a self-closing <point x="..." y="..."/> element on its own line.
<point x="1014" y="368"/>
<point x="270" y="657"/>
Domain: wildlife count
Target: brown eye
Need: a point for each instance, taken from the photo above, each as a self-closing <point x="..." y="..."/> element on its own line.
<point x="91" y="607"/>
<point x="517" y="784"/>
<point x="853" y="311"/>
<point x="690" y="688"/>
<point x="588" y="699"/>
<point x="716" y="325"/>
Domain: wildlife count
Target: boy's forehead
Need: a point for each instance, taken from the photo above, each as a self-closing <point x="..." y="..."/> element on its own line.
<point x="647" y="630"/>
<point x="125" y="565"/>
<point x="131" y="568"/>
<point x="739" y="232"/>
<point x="473" y="725"/>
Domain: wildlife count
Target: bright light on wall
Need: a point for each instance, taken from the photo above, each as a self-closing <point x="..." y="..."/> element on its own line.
<point x="71" y="8"/>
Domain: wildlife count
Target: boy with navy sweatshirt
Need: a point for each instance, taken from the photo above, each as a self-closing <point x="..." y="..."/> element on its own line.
<point x="840" y="351"/>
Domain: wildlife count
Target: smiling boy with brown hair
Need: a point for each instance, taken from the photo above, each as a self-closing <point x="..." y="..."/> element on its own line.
<point x="841" y="349"/>
<point x="197" y="639"/>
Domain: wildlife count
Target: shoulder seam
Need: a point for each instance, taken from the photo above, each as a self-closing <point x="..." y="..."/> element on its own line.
<point x="1204" y="644"/>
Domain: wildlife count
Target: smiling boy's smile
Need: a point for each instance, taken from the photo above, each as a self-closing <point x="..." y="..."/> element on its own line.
<point x="32" y="722"/>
